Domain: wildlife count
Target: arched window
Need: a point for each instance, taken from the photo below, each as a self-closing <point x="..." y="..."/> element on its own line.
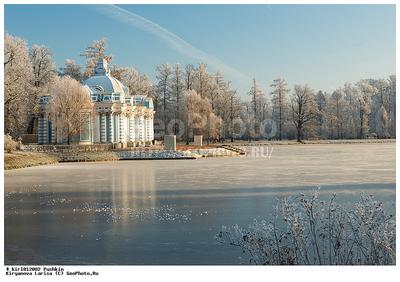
<point x="98" y="88"/>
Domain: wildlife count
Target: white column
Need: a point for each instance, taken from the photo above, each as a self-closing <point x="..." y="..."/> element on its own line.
<point x="150" y="128"/>
<point x="111" y="126"/>
<point x="141" y="128"/>
<point x="131" y="128"/>
<point x="95" y="128"/>
<point x="103" y="128"/>
<point x="127" y="129"/>
<point x="121" y="128"/>
<point x="137" y="128"/>
<point x="145" y="129"/>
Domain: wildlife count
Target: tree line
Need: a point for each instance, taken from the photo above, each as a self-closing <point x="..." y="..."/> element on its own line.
<point x="190" y="100"/>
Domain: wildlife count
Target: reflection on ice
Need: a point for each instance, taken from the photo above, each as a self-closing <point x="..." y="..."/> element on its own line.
<point x="116" y="214"/>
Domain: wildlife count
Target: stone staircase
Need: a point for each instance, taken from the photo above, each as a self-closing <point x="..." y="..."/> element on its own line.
<point x="233" y="148"/>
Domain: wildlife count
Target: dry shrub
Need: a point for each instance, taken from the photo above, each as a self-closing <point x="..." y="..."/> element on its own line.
<point x="305" y="230"/>
<point x="9" y="144"/>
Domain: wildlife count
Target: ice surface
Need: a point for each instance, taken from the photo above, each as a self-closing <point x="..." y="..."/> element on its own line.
<point x="167" y="212"/>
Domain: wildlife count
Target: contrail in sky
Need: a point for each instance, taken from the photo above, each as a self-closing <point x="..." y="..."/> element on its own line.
<point x="173" y="40"/>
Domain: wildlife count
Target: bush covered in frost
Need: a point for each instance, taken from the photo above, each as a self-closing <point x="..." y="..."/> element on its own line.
<point x="305" y="230"/>
<point x="9" y="144"/>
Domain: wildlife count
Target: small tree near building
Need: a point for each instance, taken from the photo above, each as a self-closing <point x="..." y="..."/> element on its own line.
<point x="68" y="103"/>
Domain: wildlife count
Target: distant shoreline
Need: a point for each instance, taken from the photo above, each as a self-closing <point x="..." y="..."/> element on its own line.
<point x="309" y="142"/>
<point x="21" y="159"/>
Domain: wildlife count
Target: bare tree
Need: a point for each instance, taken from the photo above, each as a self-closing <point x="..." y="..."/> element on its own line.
<point x="304" y="109"/>
<point x="69" y="101"/>
<point x="279" y="92"/>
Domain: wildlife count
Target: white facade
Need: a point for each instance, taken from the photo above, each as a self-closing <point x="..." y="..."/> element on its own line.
<point x="116" y="116"/>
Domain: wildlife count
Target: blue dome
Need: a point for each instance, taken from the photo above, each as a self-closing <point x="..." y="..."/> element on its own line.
<point x="103" y="82"/>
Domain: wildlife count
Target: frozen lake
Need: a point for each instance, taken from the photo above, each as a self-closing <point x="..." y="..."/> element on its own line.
<point x="167" y="212"/>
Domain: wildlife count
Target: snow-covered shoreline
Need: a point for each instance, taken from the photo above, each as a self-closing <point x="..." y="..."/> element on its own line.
<point x="181" y="154"/>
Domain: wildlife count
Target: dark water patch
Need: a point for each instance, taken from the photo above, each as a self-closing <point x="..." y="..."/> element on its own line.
<point x="130" y="228"/>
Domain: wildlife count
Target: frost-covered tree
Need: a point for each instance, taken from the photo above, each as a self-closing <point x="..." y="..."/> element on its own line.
<point x="219" y="96"/>
<point x="68" y="100"/>
<point x="44" y="74"/>
<point x="234" y="107"/>
<point x="366" y="91"/>
<point x="304" y="109"/>
<point x="337" y="106"/>
<point x="177" y="89"/>
<point x="117" y="72"/>
<point x="225" y="106"/>
<point x="95" y="51"/>
<point x="217" y="88"/>
<point x="382" y="123"/>
<point x="71" y="69"/>
<point x="200" y="119"/>
<point x="279" y="103"/>
<point x="164" y="76"/>
<point x="189" y="76"/>
<point x="202" y="82"/>
<point x="350" y="95"/>
<point x="257" y="100"/>
<point x="18" y="76"/>
<point x="392" y="105"/>
<point x="382" y="86"/>
<point x="196" y="111"/>
<point x="321" y="102"/>
<point x="138" y="83"/>
<point x="44" y="69"/>
<point x="213" y="127"/>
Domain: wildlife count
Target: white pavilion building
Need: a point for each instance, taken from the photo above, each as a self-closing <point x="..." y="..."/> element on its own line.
<point x="117" y="117"/>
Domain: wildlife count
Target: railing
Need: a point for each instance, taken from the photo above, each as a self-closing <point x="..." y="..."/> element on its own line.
<point x="67" y="148"/>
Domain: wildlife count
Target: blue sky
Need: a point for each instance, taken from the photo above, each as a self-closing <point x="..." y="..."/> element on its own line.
<point x="321" y="45"/>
